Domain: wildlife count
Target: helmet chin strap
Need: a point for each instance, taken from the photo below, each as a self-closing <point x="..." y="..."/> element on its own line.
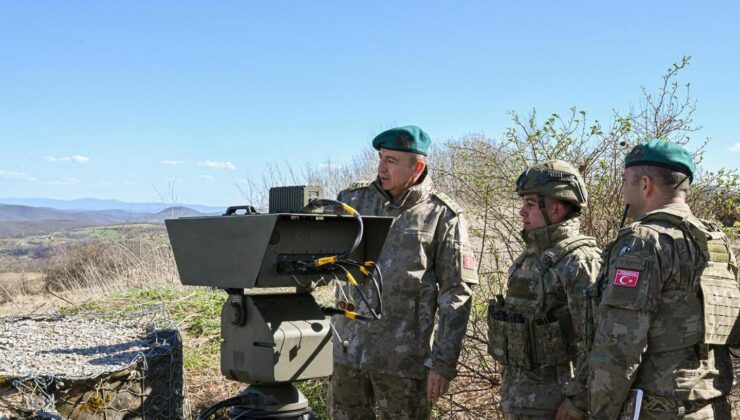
<point x="543" y="209"/>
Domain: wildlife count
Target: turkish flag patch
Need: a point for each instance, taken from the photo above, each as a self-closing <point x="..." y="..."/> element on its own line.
<point x="626" y="278"/>
<point x="468" y="262"/>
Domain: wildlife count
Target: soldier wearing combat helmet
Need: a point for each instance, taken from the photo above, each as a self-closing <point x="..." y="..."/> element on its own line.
<point x="537" y="332"/>
<point x="667" y="297"/>
<point x="395" y="367"/>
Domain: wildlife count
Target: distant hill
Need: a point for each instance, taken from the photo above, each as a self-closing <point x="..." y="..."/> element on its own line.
<point x="91" y="204"/>
<point x="171" y="213"/>
<point x="17" y="220"/>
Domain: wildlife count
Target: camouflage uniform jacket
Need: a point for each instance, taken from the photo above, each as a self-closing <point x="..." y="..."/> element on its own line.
<point x="649" y="322"/>
<point x="428" y="270"/>
<point x="555" y="294"/>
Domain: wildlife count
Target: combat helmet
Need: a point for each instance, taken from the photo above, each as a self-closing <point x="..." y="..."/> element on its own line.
<point x="556" y="179"/>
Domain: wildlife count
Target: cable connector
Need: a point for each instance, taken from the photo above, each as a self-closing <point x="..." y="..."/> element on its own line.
<point x="325" y="260"/>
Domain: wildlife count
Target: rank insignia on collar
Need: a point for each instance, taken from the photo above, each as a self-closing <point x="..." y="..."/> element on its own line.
<point x="626" y="278"/>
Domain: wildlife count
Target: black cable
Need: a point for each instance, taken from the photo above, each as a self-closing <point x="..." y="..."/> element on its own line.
<point x="360" y="292"/>
<point x="324" y="202"/>
<point x="230" y="402"/>
<point x="624" y="215"/>
<point x="330" y="310"/>
<point x="380" y="276"/>
<point x="341" y="258"/>
<point x="377" y="284"/>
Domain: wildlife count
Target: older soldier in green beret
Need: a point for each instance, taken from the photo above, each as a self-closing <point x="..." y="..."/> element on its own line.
<point x="668" y="299"/>
<point x="537" y="331"/>
<point x="395" y="367"/>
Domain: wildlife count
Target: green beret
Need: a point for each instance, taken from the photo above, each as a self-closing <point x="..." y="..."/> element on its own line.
<point x="662" y="153"/>
<point x="409" y="138"/>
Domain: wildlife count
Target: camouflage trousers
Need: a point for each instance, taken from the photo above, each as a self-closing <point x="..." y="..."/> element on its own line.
<point x="360" y="394"/>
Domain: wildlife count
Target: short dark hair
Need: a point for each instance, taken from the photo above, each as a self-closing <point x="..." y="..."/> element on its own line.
<point x="571" y="210"/>
<point x="670" y="182"/>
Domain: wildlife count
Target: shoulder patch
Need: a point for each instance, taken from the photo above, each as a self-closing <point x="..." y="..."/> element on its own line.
<point x="448" y="201"/>
<point x="356" y="185"/>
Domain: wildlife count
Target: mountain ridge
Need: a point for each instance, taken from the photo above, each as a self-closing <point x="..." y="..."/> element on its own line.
<point x="91" y="204"/>
<point x="18" y="220"/>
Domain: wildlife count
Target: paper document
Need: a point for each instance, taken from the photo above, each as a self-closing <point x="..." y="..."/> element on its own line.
<point x="631" y="408"/>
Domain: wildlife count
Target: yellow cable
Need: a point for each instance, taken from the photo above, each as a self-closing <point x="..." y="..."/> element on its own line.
<point x="326" y="260"/>
<point x="351" y="278"/>
<point x="349" y="210"/>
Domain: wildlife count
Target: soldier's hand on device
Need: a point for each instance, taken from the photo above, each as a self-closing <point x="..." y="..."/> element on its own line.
<point x="437" y="385"/>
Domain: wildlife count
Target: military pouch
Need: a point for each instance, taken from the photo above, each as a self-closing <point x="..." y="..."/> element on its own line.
<point x="549" y="344"/>
<point x="508" y="336"/>
<point x="518" y="344"/>
<point x="496" y="333"/>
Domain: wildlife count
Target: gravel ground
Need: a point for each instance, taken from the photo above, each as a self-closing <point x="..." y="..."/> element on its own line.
<point x="73" y="347"/>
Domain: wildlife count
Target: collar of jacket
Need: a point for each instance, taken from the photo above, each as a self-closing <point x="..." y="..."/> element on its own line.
<point x="412" y="195"/>
<point x="541" y="239"/>
<point x="681" y="210"/>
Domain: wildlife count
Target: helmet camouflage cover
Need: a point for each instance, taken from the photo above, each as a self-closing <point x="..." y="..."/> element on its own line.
<point x="556" y="179"/>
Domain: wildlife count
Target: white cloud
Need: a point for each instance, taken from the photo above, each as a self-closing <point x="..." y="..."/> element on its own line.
<point x="75" y="158"/>
<point x="16" y="176"/>
<point x="64" y="182"/>
<point x="173" y="162"/>
<point x="734" y="148"/>
<point x="217" y="165"/>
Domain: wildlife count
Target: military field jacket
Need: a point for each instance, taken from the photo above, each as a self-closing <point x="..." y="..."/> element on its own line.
<point x="649" y="322"/>
<point x="556" y="293"/>
<point x="428" y="270"/>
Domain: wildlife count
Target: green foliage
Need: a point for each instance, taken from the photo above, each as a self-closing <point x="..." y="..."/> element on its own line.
<point x="316" y="391"/>
<point x="717" y="196"/>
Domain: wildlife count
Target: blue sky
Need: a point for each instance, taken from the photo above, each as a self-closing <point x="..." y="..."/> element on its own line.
<point x="117" y="99"/>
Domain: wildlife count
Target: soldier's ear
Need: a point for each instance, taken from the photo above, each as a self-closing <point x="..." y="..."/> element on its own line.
<point x="647" y="186"/>
<point x="558" y="210"/>
<point x="419" y="167"/>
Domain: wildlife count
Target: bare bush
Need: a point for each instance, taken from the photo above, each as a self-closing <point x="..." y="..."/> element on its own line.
<point x="331" y="176"/>
<point x="107" y="267"/>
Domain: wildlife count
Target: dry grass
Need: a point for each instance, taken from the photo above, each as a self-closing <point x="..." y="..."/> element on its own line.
<point x="104" y="268"/>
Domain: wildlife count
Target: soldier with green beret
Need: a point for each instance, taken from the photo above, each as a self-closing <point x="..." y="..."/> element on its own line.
<point x="395" y="367"/>
<point x="410" y="138"/>
<point x="668" y="299"/>
<point x="537" y="331"/>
